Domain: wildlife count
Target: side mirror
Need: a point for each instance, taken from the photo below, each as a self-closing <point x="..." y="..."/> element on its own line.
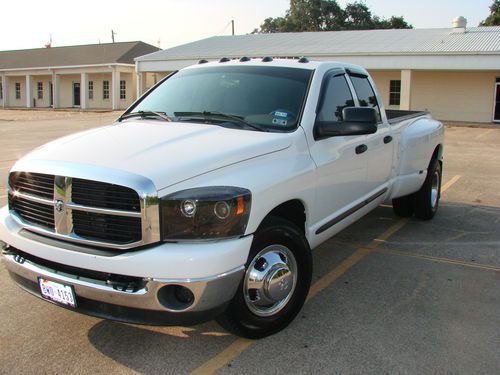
<point x="357" y="121"/>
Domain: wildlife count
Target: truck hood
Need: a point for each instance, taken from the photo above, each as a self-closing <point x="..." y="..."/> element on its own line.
<point x="164" y="152"/>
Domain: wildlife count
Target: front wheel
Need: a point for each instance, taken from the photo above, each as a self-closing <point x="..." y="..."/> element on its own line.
<point x="276" y="282"/>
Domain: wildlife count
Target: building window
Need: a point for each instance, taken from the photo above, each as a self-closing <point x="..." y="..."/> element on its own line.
<point x="39" y="90"/>
<point x="123" y="89"/>
<point x="105" y="89"/>
<point x="1" y="91"/>
<point x="18" y="90"/>
<point x="394" y="92"/>
<point x="91" y="89"/>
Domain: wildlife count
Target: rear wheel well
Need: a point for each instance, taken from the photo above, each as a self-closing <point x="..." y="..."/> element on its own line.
<point x="438" y="153"/>
<point x="293" y="211"/>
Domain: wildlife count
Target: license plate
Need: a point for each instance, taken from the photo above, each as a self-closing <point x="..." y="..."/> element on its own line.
<point x="57" y="292"/>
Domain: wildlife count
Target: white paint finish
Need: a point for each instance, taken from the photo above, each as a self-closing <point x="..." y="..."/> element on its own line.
<point x="167" y="153"/>
<point x="405" y="102"/>
<point x="84" y="90"/>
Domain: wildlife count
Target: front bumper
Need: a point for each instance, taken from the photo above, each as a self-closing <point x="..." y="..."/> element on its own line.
<point x="146" y="278"/>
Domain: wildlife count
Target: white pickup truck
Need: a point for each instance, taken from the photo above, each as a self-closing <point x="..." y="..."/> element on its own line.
<point x="205" y="198"/>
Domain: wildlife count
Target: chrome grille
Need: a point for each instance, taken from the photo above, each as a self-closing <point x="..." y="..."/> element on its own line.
<point x="41" y="185"/>
<point x="77" y="210"/>
<point x="100" y="194"/>
<point x="33" y="212"/>
<point x="108" y="228"/>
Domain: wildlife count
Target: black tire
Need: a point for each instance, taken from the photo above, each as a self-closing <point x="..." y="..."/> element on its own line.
<point x="403" y="206"/>
<point x="239" y="317"/>
<point x="426" y="200"/>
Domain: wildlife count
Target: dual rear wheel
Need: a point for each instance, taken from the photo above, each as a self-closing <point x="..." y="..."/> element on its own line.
<point x="424" y="203"/>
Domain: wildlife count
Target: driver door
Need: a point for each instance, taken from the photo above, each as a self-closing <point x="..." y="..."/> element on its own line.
<point x="341" y="163"/>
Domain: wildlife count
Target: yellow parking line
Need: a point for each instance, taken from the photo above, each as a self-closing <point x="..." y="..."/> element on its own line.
<point x="449" y="183"/>
<point x="438" y="259"/>
<point x="484" y="134"/>
<point x="241" y="344"/>
<point x="224" y="357"/>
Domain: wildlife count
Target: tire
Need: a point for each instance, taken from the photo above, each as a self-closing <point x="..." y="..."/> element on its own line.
<point x="280" y="255"/>
<point x="403" y="206"/>
<point x="426" y="200"/>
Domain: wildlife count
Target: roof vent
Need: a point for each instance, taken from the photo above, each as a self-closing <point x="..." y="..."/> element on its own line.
<point x="459" y="24"/>
<point x="267" y="59"/>
<point x="303" y="60"/>
<point x="224" y="59"/>
<point x="202" y="61"/>
<point x="245" y="58"/>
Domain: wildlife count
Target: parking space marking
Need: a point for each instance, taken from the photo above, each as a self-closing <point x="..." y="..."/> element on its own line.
<point x="241" y="344"/>
<point x="438" y="259"/>
<point x="449" y="183"/>
<point x="484" y="134"/>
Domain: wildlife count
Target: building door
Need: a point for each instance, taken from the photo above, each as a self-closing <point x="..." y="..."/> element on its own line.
<point x="496" y="113"/>
<point x="76" y="94"/>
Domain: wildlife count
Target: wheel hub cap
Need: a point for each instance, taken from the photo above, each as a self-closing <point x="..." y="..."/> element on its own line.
<point x="435" y="189"/>
<point x="270" y="280"/>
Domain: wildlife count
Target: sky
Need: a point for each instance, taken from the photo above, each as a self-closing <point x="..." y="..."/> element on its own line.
<point x="167" y="23"/>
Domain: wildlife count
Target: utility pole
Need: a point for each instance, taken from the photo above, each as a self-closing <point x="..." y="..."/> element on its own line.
<point x="232" y="26"/>
<point x="113" y="35"/>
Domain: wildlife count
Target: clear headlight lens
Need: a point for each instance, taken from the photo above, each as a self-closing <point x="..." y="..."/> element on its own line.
<point x="205" y="213"/>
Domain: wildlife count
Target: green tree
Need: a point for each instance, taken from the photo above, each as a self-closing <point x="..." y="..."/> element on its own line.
<point x="328" y="15"/>
<point x="494" y="18"/>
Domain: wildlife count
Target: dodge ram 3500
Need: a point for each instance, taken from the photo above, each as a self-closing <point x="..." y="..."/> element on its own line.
<point x="205" y="197"/>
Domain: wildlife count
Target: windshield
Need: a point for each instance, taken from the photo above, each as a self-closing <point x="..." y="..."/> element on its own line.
<point x="269" y="97"/>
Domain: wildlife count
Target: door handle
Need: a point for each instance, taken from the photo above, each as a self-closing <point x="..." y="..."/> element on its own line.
<point x="387" y="139"/>
<point x="361" y="148"/>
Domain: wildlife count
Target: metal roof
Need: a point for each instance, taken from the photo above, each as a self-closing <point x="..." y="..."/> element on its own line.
<point x="92" y="54"/>
<point x="474" y="40"/>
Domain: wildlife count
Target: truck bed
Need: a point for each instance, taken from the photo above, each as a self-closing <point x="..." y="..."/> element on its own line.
<point x="395" y="115"/>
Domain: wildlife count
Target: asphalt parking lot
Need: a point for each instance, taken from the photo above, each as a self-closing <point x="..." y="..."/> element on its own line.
<point x="389" y="295"/>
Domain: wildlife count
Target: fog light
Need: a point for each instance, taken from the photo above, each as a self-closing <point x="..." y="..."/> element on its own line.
<point x="175" y="297"/>
<point x="183" y="295"/>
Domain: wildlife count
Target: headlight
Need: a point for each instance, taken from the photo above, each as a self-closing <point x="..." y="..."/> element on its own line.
<point x="205" y="213"/>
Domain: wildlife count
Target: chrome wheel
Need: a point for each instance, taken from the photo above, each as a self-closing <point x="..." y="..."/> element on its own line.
<point x="435" y="188"/>
<point x="270" y="280"/>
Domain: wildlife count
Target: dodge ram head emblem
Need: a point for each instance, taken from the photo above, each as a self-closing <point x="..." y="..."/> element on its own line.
<point x="59" y="204"/>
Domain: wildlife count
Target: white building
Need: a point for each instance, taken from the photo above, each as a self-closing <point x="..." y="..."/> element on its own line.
<point x="453" y="73"/>
<point x="87" y="77"/>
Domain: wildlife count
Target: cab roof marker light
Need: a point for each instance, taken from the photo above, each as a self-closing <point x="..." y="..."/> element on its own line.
<point x="267" y="59"/>
<point x="303" y="60"/>
<point x="224" y="59"/>
<point x="245" y="59"/>
<point x="202" y="61"/>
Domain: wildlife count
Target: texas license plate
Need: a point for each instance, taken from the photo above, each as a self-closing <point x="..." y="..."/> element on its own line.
<point x="57" y="292"/>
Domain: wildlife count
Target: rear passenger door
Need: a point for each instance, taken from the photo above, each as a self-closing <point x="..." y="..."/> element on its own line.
<point x="380" y="144"/>
<point x="340" y="169"/>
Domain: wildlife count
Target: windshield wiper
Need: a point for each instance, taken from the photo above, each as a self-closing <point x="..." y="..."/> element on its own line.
<point x="215" y="114"/>
<point x="144" y="114"/>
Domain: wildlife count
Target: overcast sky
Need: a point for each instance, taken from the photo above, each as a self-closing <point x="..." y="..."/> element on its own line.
<point x="29" y="24"/>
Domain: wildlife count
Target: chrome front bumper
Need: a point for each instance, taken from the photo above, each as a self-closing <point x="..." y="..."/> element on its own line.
<point x="103" y="299"/>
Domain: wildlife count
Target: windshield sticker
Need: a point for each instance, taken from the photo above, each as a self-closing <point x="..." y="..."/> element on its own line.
<point x="279" y="121"/>
<point x="280" y="114"/>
